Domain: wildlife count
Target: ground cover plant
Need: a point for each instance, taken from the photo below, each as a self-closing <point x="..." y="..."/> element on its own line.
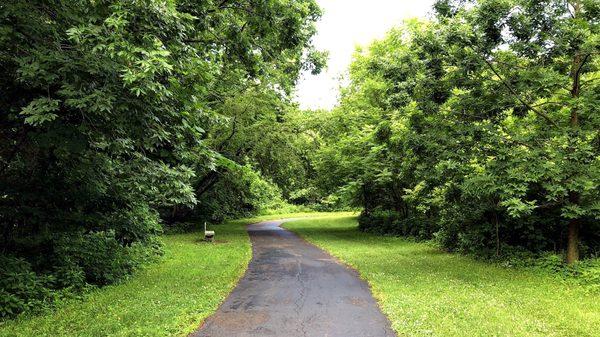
<point x="427" y="292"/>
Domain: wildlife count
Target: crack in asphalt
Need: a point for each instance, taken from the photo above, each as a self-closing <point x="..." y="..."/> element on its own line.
<point x="300" y="298"/>
<point x="294" y="289"/>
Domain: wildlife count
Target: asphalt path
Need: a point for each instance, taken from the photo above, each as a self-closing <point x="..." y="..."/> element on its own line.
<point x="292" y="288"/>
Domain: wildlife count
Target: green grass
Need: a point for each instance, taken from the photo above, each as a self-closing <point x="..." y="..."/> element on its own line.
<point x="169" y="298"/>
<point x="426" y="292"/>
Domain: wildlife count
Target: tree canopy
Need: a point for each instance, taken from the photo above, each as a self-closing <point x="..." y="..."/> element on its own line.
<point x="113" y="115"/>
<point x="479" y="128"/>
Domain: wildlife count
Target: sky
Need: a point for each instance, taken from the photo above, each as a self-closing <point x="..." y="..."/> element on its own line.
<point x="344" y="25"/>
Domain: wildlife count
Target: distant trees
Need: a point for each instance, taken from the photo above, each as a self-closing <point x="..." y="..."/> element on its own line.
<point x="480" y="129"/>
<point x="114" y="112"/>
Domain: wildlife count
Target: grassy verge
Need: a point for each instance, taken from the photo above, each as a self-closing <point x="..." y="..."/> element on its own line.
<point x="426" y="292"/>
<point x="170" y="298"/>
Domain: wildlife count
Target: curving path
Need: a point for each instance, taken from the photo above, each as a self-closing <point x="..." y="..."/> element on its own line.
<point x="292" y="288"/>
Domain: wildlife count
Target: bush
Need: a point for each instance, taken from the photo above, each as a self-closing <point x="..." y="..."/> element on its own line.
<point x="239" y="192"/>
<point x="75" y="263"/>
<point x="378" y="221"/>
<point x="381" y="221"/>
<point x="284" y="208"/>
<point x="588" y="274"/>
<point x="182" y="227"/>
<point x="21" y="289"/>
<point x="590" y="278"/>
<point x="102" y="258"/>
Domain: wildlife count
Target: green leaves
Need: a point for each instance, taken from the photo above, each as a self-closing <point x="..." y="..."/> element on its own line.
<point x="40" y="111"/>
<point x="465" y="126"/>
<point x="114" y="112"/>
<point x="517" y="207"/>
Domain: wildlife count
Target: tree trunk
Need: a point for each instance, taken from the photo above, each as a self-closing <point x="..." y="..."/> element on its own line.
<point x="573" y="241"/>
<point x="573" y="229"/>
<point x="497" y="225"/>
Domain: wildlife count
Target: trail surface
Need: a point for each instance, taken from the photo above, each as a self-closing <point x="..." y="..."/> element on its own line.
<point x="292" y="288"/>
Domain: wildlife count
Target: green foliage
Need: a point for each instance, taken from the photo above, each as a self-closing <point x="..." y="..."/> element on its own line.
<point x="20" y="288"/>
<point x="113" y="115"/>
<point x="188" y="267"/>
<point x="382" y="221"/>
<point x="588" y="273"/>
<point x="479" y="128"/>
<point x="239" y="192"/>
<point x="101" y="258"/>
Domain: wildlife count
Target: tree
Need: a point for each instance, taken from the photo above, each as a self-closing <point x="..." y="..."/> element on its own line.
<point x="106" y="108"/>
<point x="479" y="128"/>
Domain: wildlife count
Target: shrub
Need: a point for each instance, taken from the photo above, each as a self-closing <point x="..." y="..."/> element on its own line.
<point x="382" y="221"/>
<point x="21" y="289"/>
<point x="102" y="258"/>
<point x="74" y="263"/>
<point x="588" y="274"/>
<point x="379" y="221"/>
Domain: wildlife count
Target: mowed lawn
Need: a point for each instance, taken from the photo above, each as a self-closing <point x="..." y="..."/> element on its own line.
<point x="426" y="292"/>
<point x="169" y="298"/>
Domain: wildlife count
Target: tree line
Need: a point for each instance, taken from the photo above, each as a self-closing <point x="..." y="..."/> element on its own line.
<point x="118" y="118"/>
<point x="479" y="128"/>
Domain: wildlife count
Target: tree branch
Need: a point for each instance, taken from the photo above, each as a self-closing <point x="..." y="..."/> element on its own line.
<point x="515" y="94"/>
<point x="576" y="83"/>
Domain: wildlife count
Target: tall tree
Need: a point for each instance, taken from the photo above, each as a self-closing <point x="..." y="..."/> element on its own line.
<point x="479" y="128"/>
<point x="104" y="115"/>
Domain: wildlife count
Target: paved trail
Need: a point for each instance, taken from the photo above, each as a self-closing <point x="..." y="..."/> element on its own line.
<point x="293" y="288"/>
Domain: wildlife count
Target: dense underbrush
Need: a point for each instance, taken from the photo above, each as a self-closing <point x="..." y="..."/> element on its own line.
<point x="72" y="266"/>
